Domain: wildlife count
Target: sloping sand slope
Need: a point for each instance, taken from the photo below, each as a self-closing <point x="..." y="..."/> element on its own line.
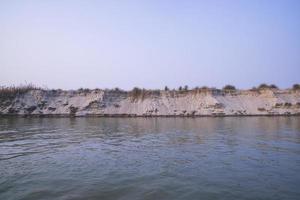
<point x="162" y="103"/>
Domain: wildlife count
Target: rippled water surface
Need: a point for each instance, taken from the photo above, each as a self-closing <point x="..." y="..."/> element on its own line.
<point x="150" y="158"/>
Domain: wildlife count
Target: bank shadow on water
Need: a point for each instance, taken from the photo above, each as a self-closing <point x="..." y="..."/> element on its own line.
<point x="144" y="120"/>
<point x="146" y="125"/>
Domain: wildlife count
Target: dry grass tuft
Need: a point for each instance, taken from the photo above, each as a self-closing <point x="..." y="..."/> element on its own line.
<point x="7" y="92"/>
<point x="137" y="93"/>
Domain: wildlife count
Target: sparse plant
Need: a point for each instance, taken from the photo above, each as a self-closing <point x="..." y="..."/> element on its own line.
<point x="117" y="89"/>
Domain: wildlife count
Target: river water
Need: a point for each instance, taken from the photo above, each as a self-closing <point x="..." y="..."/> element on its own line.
<point x="150" y="158"/>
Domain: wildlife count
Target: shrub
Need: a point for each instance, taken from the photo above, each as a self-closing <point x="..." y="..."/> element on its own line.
<point x="229" y="87"/>
<point x="151" y="92"/>
<point x="81" y="90"/>
<point x="73" y="110"/>
<point x="86" y="90"/>
<point x="180" y="88"/>
<point x="296" y="86"/>
<point x="272" y="86"/>
<point x="196" y="90"/>
<point x="263" y="86"/>
<point x="204" y="88"/>
<point x="261" y="109"/>
<point x="253" y="89"/>
<point x="266" y="86"/>
<point x="166" y="88"/>
<point x="186" y="87"/>
<point x="287" y="104"/>
<point x="278" y="105"/>
<point x="135" y="92"/>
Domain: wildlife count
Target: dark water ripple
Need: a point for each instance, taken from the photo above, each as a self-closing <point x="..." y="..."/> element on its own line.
<point x="152" y="158"/>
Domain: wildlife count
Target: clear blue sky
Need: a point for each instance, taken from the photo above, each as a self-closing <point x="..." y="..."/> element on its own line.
<point x="106" y="44"/>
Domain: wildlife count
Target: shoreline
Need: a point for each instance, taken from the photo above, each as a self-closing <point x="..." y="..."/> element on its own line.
<point x="140" y="116"/>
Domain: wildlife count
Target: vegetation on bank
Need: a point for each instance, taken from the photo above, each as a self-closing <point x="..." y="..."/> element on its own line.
<point x="296" y="87"/>
<point x="136" y="93"/>
<point x="7" y="92"/>
<point x="266" y="86"/>
<point x="13" y="91"/>
<point x="229" y="88"/>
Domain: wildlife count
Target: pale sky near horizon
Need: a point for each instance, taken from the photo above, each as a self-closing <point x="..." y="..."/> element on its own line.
<point x="106" y="44"/>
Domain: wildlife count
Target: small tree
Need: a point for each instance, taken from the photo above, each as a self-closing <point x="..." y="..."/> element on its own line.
<point x="296" y="86"/>
<point x="186" y="87"/>
<point x="180" y="88"/>
<point x="263" y="86"/>
<point x="166" y="88"/>
<point x="273" y="86"/>
<point x="229" y="87"/>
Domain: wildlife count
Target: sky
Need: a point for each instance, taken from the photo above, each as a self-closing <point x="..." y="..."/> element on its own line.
<point x="149" y="44"/>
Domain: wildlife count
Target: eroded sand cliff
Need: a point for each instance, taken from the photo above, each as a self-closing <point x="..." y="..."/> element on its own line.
<point x="159" y="103"/>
